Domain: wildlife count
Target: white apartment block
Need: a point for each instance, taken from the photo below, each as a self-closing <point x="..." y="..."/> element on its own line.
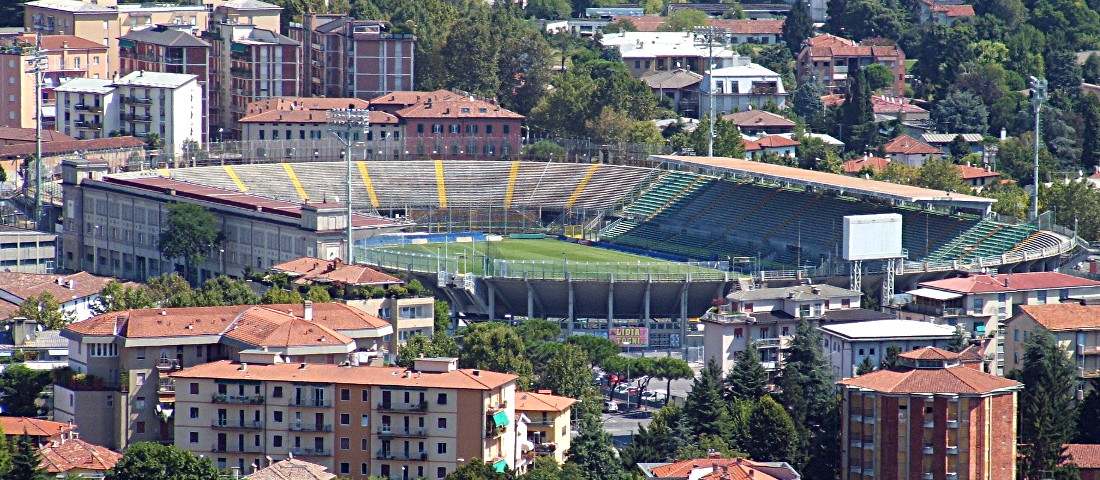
<point x="87" y="108"/>
<point x="846" y="344"/>
<point x="169" y="105"/>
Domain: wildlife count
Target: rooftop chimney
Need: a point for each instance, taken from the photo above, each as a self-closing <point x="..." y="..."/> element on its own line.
<point x="302" y="366"/>
<point x="244" y="367"/>
<point x="308" y="315"/>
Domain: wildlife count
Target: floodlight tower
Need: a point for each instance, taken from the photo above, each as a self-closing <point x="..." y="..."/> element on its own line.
<point x="37" y="65"/>
<point x="1039" y="95"/>
<point x="707" y="36"/>
<point x="347" y="124"/>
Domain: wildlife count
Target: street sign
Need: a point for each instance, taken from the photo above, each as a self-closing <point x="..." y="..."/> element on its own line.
<point x="630" y="336"/>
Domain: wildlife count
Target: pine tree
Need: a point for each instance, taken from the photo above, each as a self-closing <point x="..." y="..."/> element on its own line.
<point x="1088" y="422"/>
<point x="807" y="393"/>
<point x="807" y="100"/>
<point x="798" y="26"/>
<point x="747" y="380"/>
<point x="890" y="360"/>
<point x="1089" y="108"/>
<point x="5" y="455"/>
<point x="959" y="340"/>
<point x="771" y="433"/>
<point x="593" y="453"/>
<point x="865" y="367"/>
<point x="1049" y="380"/>
<point x="25" y="461"/>
<point x="704" y="409"/>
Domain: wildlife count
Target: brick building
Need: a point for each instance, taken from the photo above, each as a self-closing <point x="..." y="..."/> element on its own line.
<point x="929" y="418"/>
<point x="831" y="60"/>
<point x="344" y="57"/>
<point x="169" y="49"/>
<point x="67" y="57"/>
<point x="449" y="125"/>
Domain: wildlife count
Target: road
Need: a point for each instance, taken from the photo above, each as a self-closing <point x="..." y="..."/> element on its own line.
<point x="622" y="425"/>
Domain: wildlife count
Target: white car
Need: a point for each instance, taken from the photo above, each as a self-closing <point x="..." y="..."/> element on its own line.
<point x="655" y="395"/>
<point x="610" y="407"/>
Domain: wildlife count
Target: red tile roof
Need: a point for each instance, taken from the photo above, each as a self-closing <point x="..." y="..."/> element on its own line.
<point x="776" y="141"/>
<point x="954" y="380"/>
<point x="268" y="327"/>
<point x="879" y="104"/>
<point x="1010" y="282"/>
<point x="728" y="468"/>
<point x="63" y="287"/>
<point x="1086" y="456"/>
<point x="63" y="42"/>
<point x="316" y="269"/>
<point x="303" y="103"/>
<point x="828" y="46"/>
<point x="71" y="146"/>
<point x="969" y="172"/>
<point x="292" y="469"/>
<point x="33" y="427"/>
<point x="652" y="23"/>
<point x="750" y="145"/>
<point x="929" y="353"/>
<point x="22" y="135"/>
<point x="876" y="164"/>
<point x="453" y="105"/>
<point x="463" y="379"/>
<point x="75" y="454"/>
<point x="1062" y="316"/>
<point x="542" y="402"/>
<point x="311" y="116"/>
<point x="906" y="145"/>
<point x="758" y="118"/>
<point x="406" y="98"/>
<point x="955" y="11"/>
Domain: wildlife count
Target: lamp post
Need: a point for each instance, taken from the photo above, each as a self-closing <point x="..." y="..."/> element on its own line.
<point x="1039" y="95"/>
<point x="346" y="124"/>
<point x="705" y="37"/>
<point x="37" y="65"/>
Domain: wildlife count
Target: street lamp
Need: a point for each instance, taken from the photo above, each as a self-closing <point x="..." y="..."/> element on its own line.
<point x="1039" y="94"/>
<point x="345" y="124"/>
<point x="37" y="65"/>
<point x="706" y="37"/>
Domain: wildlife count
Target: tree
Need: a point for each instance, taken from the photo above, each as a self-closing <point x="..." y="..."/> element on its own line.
<point x="546" y="468"/>
<point x="941" y="175"/>
<point x="191" y="232"/>
<point x="644" y="132"/>
<point x="1088" y="422"/>
<point x="1074" y="202"/>
<point x="879" y="76"/>
<point x="669" y="369"/>
<point x="169" y="290"/>
<point x="1049" y="379"/>
<point x="115" y="297"/>
<point x="771" y="433"/>
<point x="364" y="10"/>
<point x="470" y="55"/>
<point x="476" y="469"/>
<point x="1012" y="200"/>
<point x="442" y="314"/>
<point x="1090" y="71"/>
<point x="808" y="396"/>
<point x="46" y="310"/>
<point x="1089" y="107"/>
<point x="684" y="20"/>
<point x="798" y="26"/>
<point x="704" y="409"/>
<point x="524" y="66"/>
<point x="145" y="460"/>
<point x="25" y="461"/>
<point x="222" y="290"/>
<point x="890" y="359"/>
<point x="659" y="441"/>
<point x="959" y="147"/>
<point x="5" y="455"/>
<point x="962" y="112"/>
<point x="549" y="9"/>
<point x="610" y="126"/>
<point x="565" y="372"/>
<point x="496" y="347"/>
<point x="20" y="387"/>
<point x="807" y="100"/>
<point x="865" y="367"/>
<point x="598" y="349"/>
<point x="593" y="453"/>
<point x="318" y="294"/>
<point x="727" y="139"/>
<point x="747" y="380"/>
<point x="417" y="345"/>
<point x="275" y="295"/>
<point x="153" y="141"/>
<point x="959" y="340"/>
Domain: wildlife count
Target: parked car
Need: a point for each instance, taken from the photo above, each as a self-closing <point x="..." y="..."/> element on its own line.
<point x="610" y="407"/>
<point x="655" y="396"/>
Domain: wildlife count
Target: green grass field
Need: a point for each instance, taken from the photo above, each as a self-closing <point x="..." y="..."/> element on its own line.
<point x="546" y="253"/>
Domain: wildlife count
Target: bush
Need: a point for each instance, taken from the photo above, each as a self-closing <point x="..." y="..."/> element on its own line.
<point x="415" y="288"/>
<point x="398" y="292"/>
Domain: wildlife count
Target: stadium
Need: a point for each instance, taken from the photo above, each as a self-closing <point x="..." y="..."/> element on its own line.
<point x="629" y="242"/>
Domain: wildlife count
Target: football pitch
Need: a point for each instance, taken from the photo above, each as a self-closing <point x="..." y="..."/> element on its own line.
<point x="531" y="254"/>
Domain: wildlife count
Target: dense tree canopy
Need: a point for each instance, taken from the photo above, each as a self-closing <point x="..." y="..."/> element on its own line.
<point x="191" y="233"/>
<point x="145" y="460"/>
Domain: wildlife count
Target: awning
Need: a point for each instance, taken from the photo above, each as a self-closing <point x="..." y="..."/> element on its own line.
<point x="500" y="418"/>
<point x="60" y="352"/>
<point x="934" y="294"/>
<point x="500" y="466"/>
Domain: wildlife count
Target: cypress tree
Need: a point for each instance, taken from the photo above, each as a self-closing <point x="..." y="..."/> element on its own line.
<point x="1049" y="379"/>
<point x="798" y="26"/>
<point x="593" y="453"/>
<point x="704" y="410"/>
<point x="865" y="366"/>
<point x="747" y="379"/>
<point x="771" y="433"/>
<point x="807" y="393"/>
<point x="25" y="461"/>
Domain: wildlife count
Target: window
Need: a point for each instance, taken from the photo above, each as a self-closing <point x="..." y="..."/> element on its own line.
<point x="420" y="128"/>
<point x="786" y="331"/>
<point x="193" y="437"/>
<point x="345" y="394"/>
<point x="861" y="352"/>
<point x="979" y="305"/>
<point x="441" y="422"/>
<point x="364" y="421"/>
<point x="454" y="128"/>
<point x="1041" y="297"/>
<point x="345" y="419"/>
<point x="364" y="394"/>
<point x="277" y="441"/>
<point x="1063" y="294"/>
<point x="506" y="128"/>
<point x="140" y="380"/>
<point x="488" y="129"/>
<point x="441" y="399"/>
<point x="277" y="416"/>
<point x="194" y="388"/>
<point x="345" y="443"/>
<point x="194" y="412"/>
<point x="363" y="469"/>
<point x="440" y="472"/>
<point x="738" y="333"/>
<point x="277" y="392"/>
<point x="1016" y="334"/>
<point x="345" y="468"/>
<point x="363" y="444"/>
<point x="263" y="134"/>
<point x="437" y="128"/>
<point x="441" y="448"/>
<point x="140" y="427"/>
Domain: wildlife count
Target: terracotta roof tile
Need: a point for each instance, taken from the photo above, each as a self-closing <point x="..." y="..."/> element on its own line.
<point x="406" y="98"/>
<point x="33" y="427"/>
<point x="269" y="327"/>
<point x="758" y="118"/>
<point x="453" y="105"/>
<point x="751" y="145"/>
<point x="1010" y="282"/>
<point x="876" y="164"/>
<point x="955" y="11"/>
<point x="728" y="469"/>
<point x="292" y="469"/>
<point x="929" y="353"/>
<point x="652" y="23"/>
<point x="1086" y="456"/>
<point x="304" y="103"/>
<point x="776" y="141"/>
<point x="88" y="146"/>
<point x="77" y="285"/>
<point x="310" y="116"/>
<point x="76" y="454"/>
<point x="542" y="402"/>
<point x="969" y="172"/>
<point x="64" y="42"/>
<point x="22" y="135"/>
<point x="312" y="268"/>
<point x="955" y="379"/>
<point x="906" y="145"/>
<point x="1062" y="316"/>
<point x="463" y="379"/>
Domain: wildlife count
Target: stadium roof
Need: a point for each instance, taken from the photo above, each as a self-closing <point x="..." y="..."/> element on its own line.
<point x="842" y="183"/>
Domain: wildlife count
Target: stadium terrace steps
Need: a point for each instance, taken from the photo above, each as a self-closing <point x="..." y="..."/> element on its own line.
<point x="985" y="239"/>
<point x="1036" y="241"/>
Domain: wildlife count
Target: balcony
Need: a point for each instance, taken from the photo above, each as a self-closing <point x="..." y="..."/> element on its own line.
<point x="309" y="403"/>
<point x="228" y="449"/>
<point x="137" y="118"/>
<point x="88" y="125"/>
<point x="311" y="427"/>
<point x="541" y="424"/>
<point x="168" y="364"/>
<point x="408" y="456"/>
<point x="547" y="448"/>
<point x="417" y="433"/>
<point x="495" y="431"/>
<point x="778" y="342"/>
<point x="237" y="399"/>
<point x="311" y="452"/>
<point x="237" y="425"/>
<point x="929" y="424"/>
<point x="167" y="386"/>
<point x="393" y="407"/>
<point x="137" y="100"/>
<point x="80" y="106"/>
<point x="952" y="449"/>
<point x="498" y="407"/>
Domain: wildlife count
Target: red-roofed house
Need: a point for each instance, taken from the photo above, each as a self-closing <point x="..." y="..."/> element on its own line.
<point x="949" y="418"/>
<point x="76" y="458"/>
<point x="910" y="151"/>
<point x="886" y="109"/>
<point x="978" y="177"/>
<point x="716" y="468"/>
<point x="39" y="431"/>
<point x="78" y="293"/>
<point x="1087" y="459"/>
<point x="767" y="32"/>
<point x="549" y="430"/>
<point x="298" y="119"/>
<point x="759" y="122"/>
<point x="1074" y="325"/>
<point x="865" y="163"/>
<point x="944" y="13"/>
<point x="831" y="59"/>
<point x="449" y="125"/>
<point x="782" y="146"/>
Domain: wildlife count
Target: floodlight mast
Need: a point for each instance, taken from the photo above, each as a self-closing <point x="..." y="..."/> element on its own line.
<point x="37" y="65"/>
<point x="346" y="124"/>
<point x="705" y="36"/>
<point x="1039" y="95"/>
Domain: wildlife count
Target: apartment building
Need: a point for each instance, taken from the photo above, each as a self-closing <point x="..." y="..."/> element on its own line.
<point x="451" y="125"/>
<point x="741" y="86"/>
<point x="78" y="293"/>
<point x="111" y="223"/>
<point x="304" y="119"/>
<point x="767" y="318"/>
<point x="67" y="57"/>
<point x="248" y="63"/>
<point x="549" y="427"/>
<point x="106" y="21"/>
<point x="846" y="345"/>
<point x="357" y="421"/>
<point x="1074" y="325"/>
<point x="344" y="57"/>
<point x="928" y="418"/>
<point x="646" y="53"/>
<point x="714" y="467"/>
<point x="169" y="49"/>
<point x="169" y="105"/>
<point x="831" y="59"/>
<point x="122" y="393"/>
<point x="89" y="108"/>
<point x="27" y="251"/>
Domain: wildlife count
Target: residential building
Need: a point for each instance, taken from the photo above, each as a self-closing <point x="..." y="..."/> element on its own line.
<point x="866" y="165"/>
<point x="248" y="63"/>
<point x="910" y="151"/>
<point x="27" y="341"/>
<point x="978" y="177"/>
<point x="454" y="126"/>
<point x="76" y="458"/>
<point x="846" y="344"/>
<point x="1086" y="457"/>
<point x="24" y="136"/>
<point x="67" y="57"/>
<point x="126" y="357"/>
<point x="292" y="469"/>
<point x="888" y="109"/>
<point x="106" y="21"/>
<point x="756" y="122"/>
<point x="247" y="12"/>
<point x="646" y="53"/>
<point x="975" y="141"/>
<point x="549" y="429"/>
<point x="116" y="152"/>
<point x="764" y="31"/>
<point x="89" y="108"/>
<point x="717" y="468"/>
<point x="78" y="292"/>
<point x="40" y="431"/>
<point x="944" y="13"/>
<point x="344" y="57"/>
<point x="358" y="421"/>
<point x="407" y="314"/>
<point x="741" y="86"/>
<point x="930" y="417"/>
<point x="680" y="87"/>
<point x="768" y="317"/>
<point x="27" y="251"/>
<point x="111" y="224"/>
<point x="830" y="60"/>
<point x="169" y="49"/>
<point x="1075" y="327"/>
<point x="777" y="145"/>
<point x="301" y="124"/>
<point x="169" y="105"/>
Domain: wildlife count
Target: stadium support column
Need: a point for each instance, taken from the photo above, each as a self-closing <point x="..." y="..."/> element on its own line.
<point x="610" y="303"/>
<point x="572" y="304"/>
<point x="857" y="275"/>
<point x="684" y="315"/>
<point x="346" y="124"/>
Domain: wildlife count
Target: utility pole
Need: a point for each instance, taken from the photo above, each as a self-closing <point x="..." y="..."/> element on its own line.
<point x="38" y="64"/>
<point x="705" y="37"/>
<point x="1038" y="96"/>
<point x="347" y="124"/>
